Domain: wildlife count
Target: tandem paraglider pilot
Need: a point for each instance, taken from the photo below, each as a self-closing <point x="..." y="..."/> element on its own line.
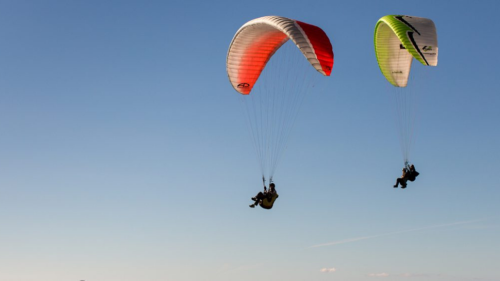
<point x="266" y="199"/>
<point x="409" y="174"/>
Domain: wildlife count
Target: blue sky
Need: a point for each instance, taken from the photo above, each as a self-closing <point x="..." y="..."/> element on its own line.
<point x="124" y="154"/>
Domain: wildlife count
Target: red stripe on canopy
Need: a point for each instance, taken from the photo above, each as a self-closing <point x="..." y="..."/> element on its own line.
<point x="321" y="44"/>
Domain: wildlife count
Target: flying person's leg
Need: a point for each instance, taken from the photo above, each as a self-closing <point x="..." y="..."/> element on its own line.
<point x="257" y="198"/>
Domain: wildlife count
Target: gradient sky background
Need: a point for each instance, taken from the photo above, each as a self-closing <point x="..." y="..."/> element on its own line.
<point x="124" y="154"/>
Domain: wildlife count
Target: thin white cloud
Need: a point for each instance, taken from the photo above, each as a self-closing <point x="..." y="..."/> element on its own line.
<point x="383" y="274"/>
<point x="350" y="240"/>
<point x="328" y="270"/>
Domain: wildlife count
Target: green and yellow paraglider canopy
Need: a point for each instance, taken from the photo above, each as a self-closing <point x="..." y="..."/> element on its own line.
<point x="399" y="39"/>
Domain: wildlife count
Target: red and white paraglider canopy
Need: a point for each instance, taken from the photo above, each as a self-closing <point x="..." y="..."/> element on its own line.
<point x="257" y="41"/>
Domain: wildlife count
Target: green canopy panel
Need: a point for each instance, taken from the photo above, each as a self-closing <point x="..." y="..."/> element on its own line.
<point x="399" y="39"/>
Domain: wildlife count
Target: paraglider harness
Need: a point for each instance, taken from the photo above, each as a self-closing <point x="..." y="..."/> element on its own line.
<point x="267" y="203"/>
<point x="411" y="173"/>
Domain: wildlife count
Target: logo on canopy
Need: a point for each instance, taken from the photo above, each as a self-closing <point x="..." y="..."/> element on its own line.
<point x="243" y="85"/>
